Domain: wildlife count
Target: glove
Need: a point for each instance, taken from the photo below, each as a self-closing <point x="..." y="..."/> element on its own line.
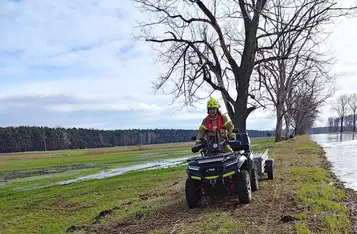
<point x="195" y="149"/>
<point x="223" y="133"/>
<point x="233" y="136"/>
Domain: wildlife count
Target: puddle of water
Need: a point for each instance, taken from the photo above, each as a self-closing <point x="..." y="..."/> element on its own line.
<point x="117" y="171"/>
<point x="341" y="151"/>
<point x="162" y="154"/>
<point x="19" y="174"/>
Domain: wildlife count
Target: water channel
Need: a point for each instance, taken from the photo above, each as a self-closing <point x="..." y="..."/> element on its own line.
<point x="341" y="151"/>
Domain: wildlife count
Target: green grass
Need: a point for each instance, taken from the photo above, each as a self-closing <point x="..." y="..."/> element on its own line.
<point x="17" y="169"/>
<point x="41" y="180"/>
<point x="299" y="173"/>
<point x="322" y="202"/>
<point x="261" y="144"/>
<point x="54" y="209"/>
<point x="95" y="159"/>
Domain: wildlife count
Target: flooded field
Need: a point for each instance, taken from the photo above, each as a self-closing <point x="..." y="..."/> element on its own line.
<point x="341" y="151"/>
<point x="115" y="172"/>
<point x="42" y="172"/>
<point x="55" y="191"/>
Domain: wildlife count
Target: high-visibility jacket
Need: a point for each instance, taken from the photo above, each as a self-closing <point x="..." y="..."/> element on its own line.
<point x="220" y="122"/>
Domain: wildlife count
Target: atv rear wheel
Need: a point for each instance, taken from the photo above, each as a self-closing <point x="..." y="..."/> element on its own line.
<point x="193" y="195"/>
<point x="254" y="179"/>
<point x="244" y="190"/>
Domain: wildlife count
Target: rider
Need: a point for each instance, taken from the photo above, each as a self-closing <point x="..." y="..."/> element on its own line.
<point x="216" y="126"/>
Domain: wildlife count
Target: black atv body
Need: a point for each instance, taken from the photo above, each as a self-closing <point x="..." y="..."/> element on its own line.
<point x="218" y="173"/>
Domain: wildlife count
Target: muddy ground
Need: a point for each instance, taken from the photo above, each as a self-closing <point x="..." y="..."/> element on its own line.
<point x="273" y="209"/>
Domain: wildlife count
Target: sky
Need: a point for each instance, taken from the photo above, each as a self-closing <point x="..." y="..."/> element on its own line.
<point x="77" y="64"/>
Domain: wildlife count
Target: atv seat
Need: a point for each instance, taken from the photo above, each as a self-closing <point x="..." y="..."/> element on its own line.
<point x="237" y="146"/>
<point x="241" y="143"/>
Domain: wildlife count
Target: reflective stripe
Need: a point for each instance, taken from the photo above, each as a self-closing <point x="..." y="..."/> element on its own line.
<point x="195" y="177"/>
<point x="211" y="177"/>
<point x="229" y="174"/>
<point x="227" y="122"/>
<point x="203" y="126"/>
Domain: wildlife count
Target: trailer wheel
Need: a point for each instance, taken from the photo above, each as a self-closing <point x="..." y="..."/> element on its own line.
<point x="269" y="168"/>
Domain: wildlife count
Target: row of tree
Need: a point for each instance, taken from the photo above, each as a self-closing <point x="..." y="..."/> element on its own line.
<point x="26" y="138"/>
<point x="255" y="53"/>
<point x="345" y="106"/>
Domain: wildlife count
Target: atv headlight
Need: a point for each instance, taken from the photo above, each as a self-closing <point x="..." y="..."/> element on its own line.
<point x="194" y="168"/>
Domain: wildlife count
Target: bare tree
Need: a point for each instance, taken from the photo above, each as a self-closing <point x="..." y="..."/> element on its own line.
<point x="330" y="122"/>
<point x="348" y="122"/>
<point x="281" y="78"/>
<point x="340" y="106"/>
<point x="307" y="97"/>
<point x="336" y="124"/>
<point x="296" y="52"/>
<point x="353" y="107"/>
<point x="212" y="45"/>
<point x="200" y="45"/>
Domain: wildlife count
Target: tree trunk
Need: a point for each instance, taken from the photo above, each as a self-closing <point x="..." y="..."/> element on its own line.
<point x="287" y="125"/>
<point x="301" y="130"/>
<point x="341" y="128"/>
<point x="242" y="75"/>
<point x="240" y="113"/>
<point x="354" y="121"/>
<point x="279" y="123"/>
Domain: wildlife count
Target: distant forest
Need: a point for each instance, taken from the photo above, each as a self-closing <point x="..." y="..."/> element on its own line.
<point x="334" y="125"/>
<point x="32" y="138"/>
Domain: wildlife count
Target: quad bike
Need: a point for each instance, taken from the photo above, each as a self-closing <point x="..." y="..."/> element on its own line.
<point x="218" y="173"/>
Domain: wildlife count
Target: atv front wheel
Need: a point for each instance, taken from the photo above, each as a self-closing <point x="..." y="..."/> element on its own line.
<point x="244" y="190"/>
<point x="254" y="179"/>
<point x="193" y="195"/>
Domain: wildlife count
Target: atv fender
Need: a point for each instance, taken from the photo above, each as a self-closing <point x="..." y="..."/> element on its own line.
<point x="250" y="163"/>
<point x="241" y="161"/>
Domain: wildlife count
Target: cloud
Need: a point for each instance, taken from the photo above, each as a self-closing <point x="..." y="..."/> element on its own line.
<point x="67" y="103"/>
<point x="65" y="110"/>
<point x="104" y="112"/>
<point x="76" y="63"/>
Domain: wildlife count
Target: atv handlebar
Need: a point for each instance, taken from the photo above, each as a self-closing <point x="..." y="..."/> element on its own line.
<point x="196" y="148"/>
<point x="210" y="146"/>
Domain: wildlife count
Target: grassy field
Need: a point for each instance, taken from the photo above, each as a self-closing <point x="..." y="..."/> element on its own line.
<point x="40" y="168"/>
<point x="302" y="197"/>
